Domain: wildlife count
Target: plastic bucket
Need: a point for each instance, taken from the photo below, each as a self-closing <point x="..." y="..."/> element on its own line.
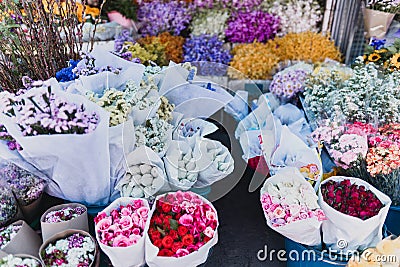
<point x="393" y="220"/>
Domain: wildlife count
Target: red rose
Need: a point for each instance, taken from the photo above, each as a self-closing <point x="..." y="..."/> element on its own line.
<point x="173" y="234"/>
<point x="167" y="241"/>
<point x="158" y="220"/>
<point x="206" y="239"/>
<point x="166" y="207"/>
<point x="165" y="253"/>
<point x="182" y="230"/>
<point x="157" y="243"/>
<point x="187" y="240"/>
<point x="166" y="223"/>
<point x="176" y="246"/>
<point x="155" y="235"/>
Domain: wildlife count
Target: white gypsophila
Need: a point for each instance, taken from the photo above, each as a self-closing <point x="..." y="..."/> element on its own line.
<point x="12" y="261"/>
<point x="297" y="16"/>
<point x="211" y="22"/>
<point x="154" y="134"/>
<point x="143" y="96"/>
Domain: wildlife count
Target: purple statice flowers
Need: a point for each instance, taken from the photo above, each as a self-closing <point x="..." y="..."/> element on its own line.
<point x="288" y="84"/>
<point x="157" y="17"/>
<point x="207" y="53"/>
<point x="124" y="36"/>
<point x="246" y="27"/>
<point x="26" y="187"/>
<point x="41" y="112"/>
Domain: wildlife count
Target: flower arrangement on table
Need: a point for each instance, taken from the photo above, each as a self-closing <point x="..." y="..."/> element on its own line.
<point x="75" y="249"/>
<point x="158" y="16"/>
<point x="20" y="261"/>
<point x="297" y="16"/>
<point x="181" y="224"/>
<point x="210" y="22"/>
<point x="27" y="187"/>
<point x="204" y="51"/>
<point x="246" y="27"/>
<point x="64" y="214"/>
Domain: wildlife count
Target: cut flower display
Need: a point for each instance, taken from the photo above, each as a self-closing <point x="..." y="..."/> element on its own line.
<point x="19" y="261"/>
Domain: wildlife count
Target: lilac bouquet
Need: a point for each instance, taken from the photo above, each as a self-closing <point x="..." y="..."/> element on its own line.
<point x="74" y="250"/>
<point x="7" y="234"/>
<point x="8" y="204"/>
<point x="26" y="187"/>
<point x="246" y="27"/>
<point x="288" y="84"/>
<point x="64" y="214"/>
<point x="124" y="36"/>
<point x="157" y="17"/>
<point x="10" y="141"/>
<point x="41" y="112"/>
<point x="86" y="67"/>
<point x="210" y="50"/>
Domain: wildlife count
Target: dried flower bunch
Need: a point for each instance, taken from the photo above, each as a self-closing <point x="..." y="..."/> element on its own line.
<point x="173" y="45"/>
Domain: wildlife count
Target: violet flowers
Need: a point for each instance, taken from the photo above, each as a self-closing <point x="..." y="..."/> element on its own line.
<point x="246" y="27"/>
<point x="157" y="17"/>
<point x="64" y="214"/>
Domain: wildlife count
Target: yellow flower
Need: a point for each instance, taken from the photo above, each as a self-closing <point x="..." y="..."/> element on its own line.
<point x="380" y="51"/>
<point x="395" y="60"/>
<point x="374" y="57"/>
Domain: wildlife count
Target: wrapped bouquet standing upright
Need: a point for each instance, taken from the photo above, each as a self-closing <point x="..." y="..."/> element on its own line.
<point x="64" y="136"/>
<point x="352" y="201"/>
<point x="183" y="228"/>
<point x="120" y="230"/>
<point x="291" y="207"/>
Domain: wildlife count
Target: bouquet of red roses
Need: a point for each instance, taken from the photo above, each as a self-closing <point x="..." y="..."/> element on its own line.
<point x="352" y="202"/>
<point x="181" y="223"/>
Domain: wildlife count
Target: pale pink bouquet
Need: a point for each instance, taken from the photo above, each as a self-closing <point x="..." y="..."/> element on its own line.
<point x="120" y="231"/>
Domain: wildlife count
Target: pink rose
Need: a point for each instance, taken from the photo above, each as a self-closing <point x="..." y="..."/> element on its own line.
<point x="209" y="232"/>
<point x="143" y="212"/>
<point x="137" y="203"/>
<point x="104" y="224"/>
<point x="186" y="220"/>
<point x="106" y="237"/>
<point x="176" y="209"/>
<point x="192" y="248"/>
<point x="179" y="196"/>
<point x="115" y="214"/>
<point x="121" y="241"/>
<point x="211" y="215"/>
<point x="182" y="252"/>
<point x="135" y="218"/>
<point x="266" y="199"/>
<point x="133" y="239"/>
<point x="320" y="215"/>
<point x="135" y="231"/>
<point x="126" y="212"/>
<point x="189" y="207"/>
<point x="169" y="198"/>
<point x="197" y="201"/>
<point x="303" y="216"/>
<point x="199" y="226"/>
<point x="188" y="196"/>
<point x="125" y="222"/>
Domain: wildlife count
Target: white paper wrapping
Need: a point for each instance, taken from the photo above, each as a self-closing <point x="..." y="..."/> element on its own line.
<point x="357" y="234"/>
<point x="200" y="127"/>
<point x="175" y="172"/>
<point x="193" y="259"/>
<point x="74" y="162"/>
<point x="213" y="160"/>
<point x="238" y="107"/>
<point x="131" y="256"/>
<point x="304" y="231"/>
<point x="143" y="155"/>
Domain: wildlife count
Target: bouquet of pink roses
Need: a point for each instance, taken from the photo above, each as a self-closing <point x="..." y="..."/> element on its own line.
<point x="291" y="207"/>
<point x="120" y="229"/>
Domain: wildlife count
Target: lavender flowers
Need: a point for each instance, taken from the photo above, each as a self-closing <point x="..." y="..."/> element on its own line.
<point x="208" y="49"/>
<point x="11" y="142"/>
<point x="26" y="187"/>
<point x="246" y="27"/>
<point x="288" y="84"/>
<point x="157" y="17"/>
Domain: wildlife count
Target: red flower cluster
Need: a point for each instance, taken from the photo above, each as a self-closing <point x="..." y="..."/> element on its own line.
<point x="351" y="199"/>
<point x="181" y="224"/>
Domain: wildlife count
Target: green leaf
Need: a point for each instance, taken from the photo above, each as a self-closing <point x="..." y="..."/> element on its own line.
<point x="392" y="49"/>
<point x="174" y="224"/>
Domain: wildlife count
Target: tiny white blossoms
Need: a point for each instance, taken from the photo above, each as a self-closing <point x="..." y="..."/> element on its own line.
<point x="12" y="261"/>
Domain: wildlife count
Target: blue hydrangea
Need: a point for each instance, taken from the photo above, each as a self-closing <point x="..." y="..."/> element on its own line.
<point x="66" y="74"/>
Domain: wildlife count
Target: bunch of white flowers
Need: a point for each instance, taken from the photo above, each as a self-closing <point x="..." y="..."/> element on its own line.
<point x="211" y="22"/>
<point x="12" y="261"/>
<point x="113" y="101"/>
<point x="165" y="110"/>
<point x="142" y="96"/>
<point x="154" y="134"/>
<point x="297" y="16"/>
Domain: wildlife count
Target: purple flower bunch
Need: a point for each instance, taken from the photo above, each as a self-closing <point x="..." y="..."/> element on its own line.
<point x="206" y="3"/>
<point x="7" y="233"/>
<point x="64" y="214"/>
<point x="124" y="36"/>
<point x="26" y="187"/>
<point x="41" y="112"/>
<point x="8" y="204"/>
<point x="288" y="84"/>
<point x="157" y="17"/>
<point x="74" y="250"/>
<point x="207" y="53"/>
<point x="246" y="27"/>
<point x="11" y="142"/>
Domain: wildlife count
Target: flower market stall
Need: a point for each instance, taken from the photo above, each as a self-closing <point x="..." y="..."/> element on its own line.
<point x="199" y="117"/>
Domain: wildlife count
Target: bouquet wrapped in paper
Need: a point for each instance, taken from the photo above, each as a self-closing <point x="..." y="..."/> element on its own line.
<point x="20" y="260"/>
<point x="183" y="228"/>
<point x="120" y="230"/>
<point x="180" y="166"/>
<point x="9" y="210"/>
<point x="145" y="176"/>
<point x="43" y="120"/>
<point x="213" y="160"/>
<point x="351" y="201"/>
<point x="291" y="207"/>
<point x="63" y="217"/>
<point x="19" y="238"/>
<point x="189" y="130"/>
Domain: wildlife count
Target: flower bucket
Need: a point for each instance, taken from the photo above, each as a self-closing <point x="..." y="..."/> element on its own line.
<point x="393" y="219"/>
<point x="377" y="23"/>
<point x="298" y="256"/>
